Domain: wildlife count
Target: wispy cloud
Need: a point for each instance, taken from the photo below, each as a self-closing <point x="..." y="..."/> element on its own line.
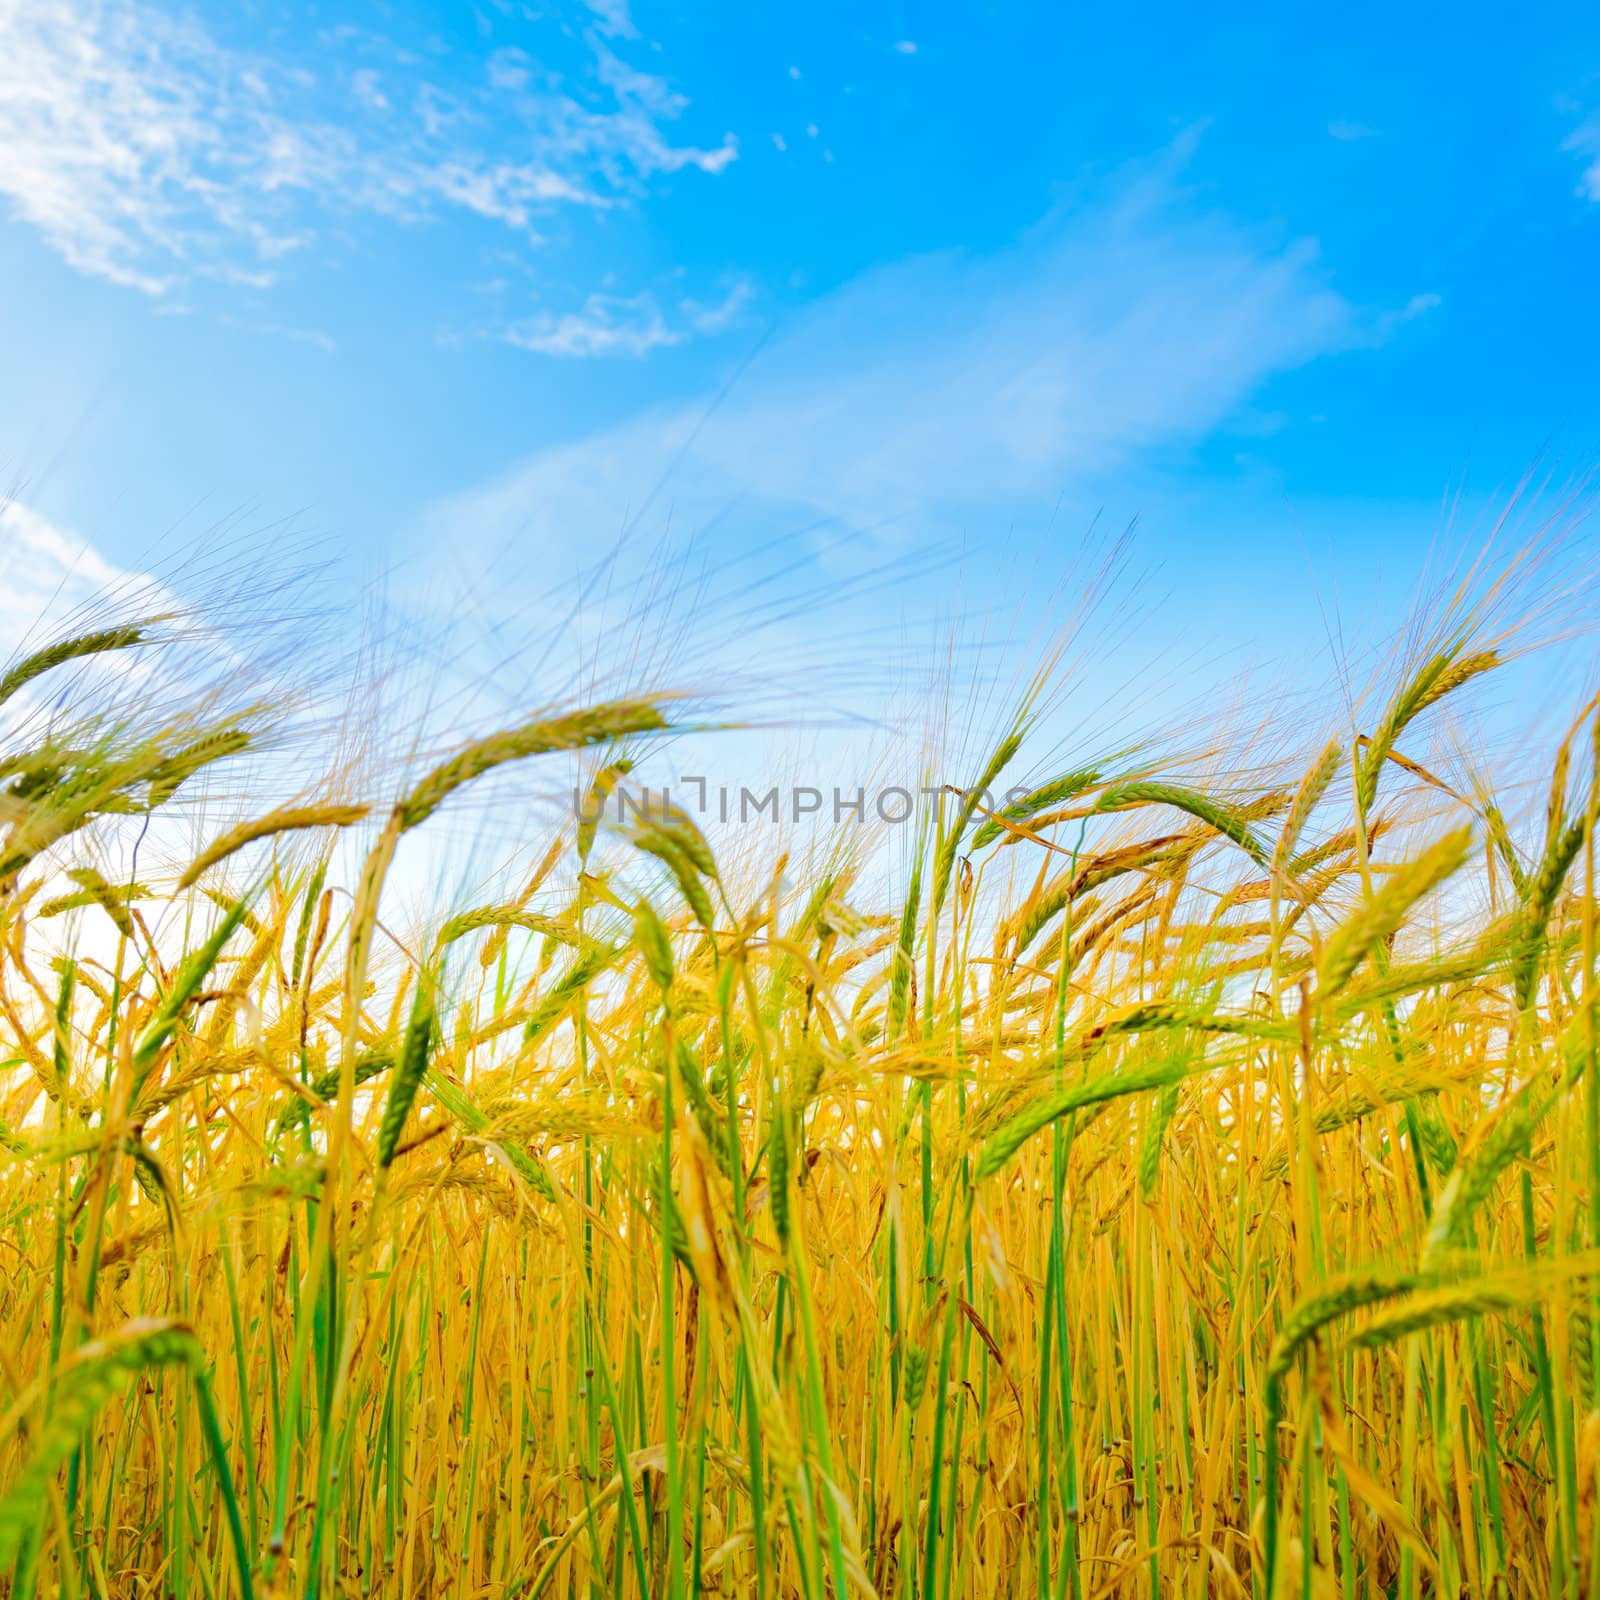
<point x="1377" y="327"/>
<point x="719" y="315"/>
<point x="367" y="86"/>
<point x="613" y="18"/>
<point x="1350" y="132"/>
<point x="605" y="324"/>
<point x="949" y="386"/>
<point x="46" y="574"/>
<point x="1585" y="143"/>
<point x="625" y="325"/>
<point x="147" y="152"/>
<point x="314" y="337"/>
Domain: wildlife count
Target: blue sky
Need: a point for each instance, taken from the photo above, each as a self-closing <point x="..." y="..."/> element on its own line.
<point x="880" y="308"/>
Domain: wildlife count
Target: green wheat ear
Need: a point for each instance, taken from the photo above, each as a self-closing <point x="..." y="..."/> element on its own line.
<point x="905" y="944"/>
<point x="1513" y="1290"/>
<point x="778" y="1169"/>
<point x="1154" y="1137"/>
<point x="98" y="1373"/>
<point x="1057" y="792"/>
<point x="183" y="988"/>
<point x="1308" y="1318"/>
<point x="1332" y="1301"/>
<point x="950" y="844"/>
<point x="56" y="655"/>
<point x="1497" y="1141"/>
<point x="594" y="804"/>
<point x="678" y="844"/>
<point x="410" y="1065"/>
<point x="568" y="989"/>
<point x="654" y="946"/>
<point x="1229" y="821"/>
<point x="293" y="1110"/>
<point x="469" y="1117"/>
<point x="1380" y="916"/>
<point x="1532" y="923"/>
<point x="1009" y="1138"/>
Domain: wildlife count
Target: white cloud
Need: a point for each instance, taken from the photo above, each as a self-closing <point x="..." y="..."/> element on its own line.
<point x="624" y="325"/>
<point x="1350" y="132"/>
<point x="146" y="152"/>
<point x="1585" y="142"/>
<point x="947" y="388"/>
<point x="510" y="69"/>
<point x="721" y="316"/>
<point x="314" y="337"/>
<point x="47" y="574"/>
<point x="366" y="85"/>
<point x="907" y="47"/>
<point x="612" y="18"/>
<point x="1378" y="327"/>
<point x="605" y="325"/>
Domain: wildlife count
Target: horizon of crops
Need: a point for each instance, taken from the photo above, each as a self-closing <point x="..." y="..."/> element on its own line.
<point x="1188" y="1184"/>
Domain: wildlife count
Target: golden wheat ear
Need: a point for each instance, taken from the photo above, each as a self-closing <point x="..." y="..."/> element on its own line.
<point x="1440" y="675"/>
<point x="574" y="730"/>
<point x="286" y="819"/>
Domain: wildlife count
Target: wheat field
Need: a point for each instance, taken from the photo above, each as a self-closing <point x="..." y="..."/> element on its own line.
<point x="1184" y="1183"/>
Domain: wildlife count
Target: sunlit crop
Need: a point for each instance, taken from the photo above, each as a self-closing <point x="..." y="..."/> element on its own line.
<point x="1186" y="1182"/>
